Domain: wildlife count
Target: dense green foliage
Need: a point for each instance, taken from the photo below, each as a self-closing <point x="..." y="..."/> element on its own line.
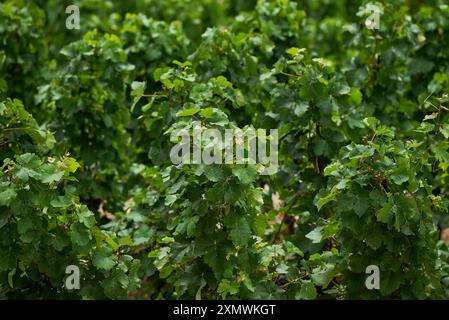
<point x="86" y="177"/>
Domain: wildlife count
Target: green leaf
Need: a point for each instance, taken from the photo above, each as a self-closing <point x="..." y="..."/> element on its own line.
<point x="215" y="194"/>
<point x="315" y="235"/>
<point x="61" y="202"/>
<point x="385" y="213"/>
<point x="24" y="224"/>
<point x="321" y="199"/>
<point x="80" y="234"/>
<point x="374" y="240"/>
<point x="7" y="196"/>
<point x="148" y="106"/>
<point x="246" y="175"/>
<point x="86" y="217"/>
<point x="115" y="284"/>
<point x="142" y="235"/>
<point x="233" y="192"/>
<point x="227" y="287"/>
<point x="213" y="172"/>
<point x="300" y="109"/>
<point x="188" y="112"/>
<point x="444" y="129"/>
<point x="322" y="276"/>
<point x="259" y="225"/>
<point x="138" y="89"/>
<point x="399" y="178"/>
<point x="10" y="277"/>
<point x="240" y="232"/>
<point x="425" y="127"/>
<point x="214" y="116"/>
<point x="307" y="291"/>
<point x="70" y="165"/>
<point x="249" y="284"/>
<point x="170" y="199"/>
<point x="4" y="217"/>
<point x="401" y="174"/>
<point x="50" y="174"/>
<point x="104" y="259"/>
<point x="440" y="149"/>
<point x="431" y="116"/>
<point x="355" y="96"/>
<point x="361" y="205"/>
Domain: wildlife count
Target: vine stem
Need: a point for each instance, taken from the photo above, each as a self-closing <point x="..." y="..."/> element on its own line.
<point x="289" y="74"/>
<point x="154" y="95"/>
<point x="291" y="204"/>
<point x="14" y="129"/>
<point x="293" y="281"/>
